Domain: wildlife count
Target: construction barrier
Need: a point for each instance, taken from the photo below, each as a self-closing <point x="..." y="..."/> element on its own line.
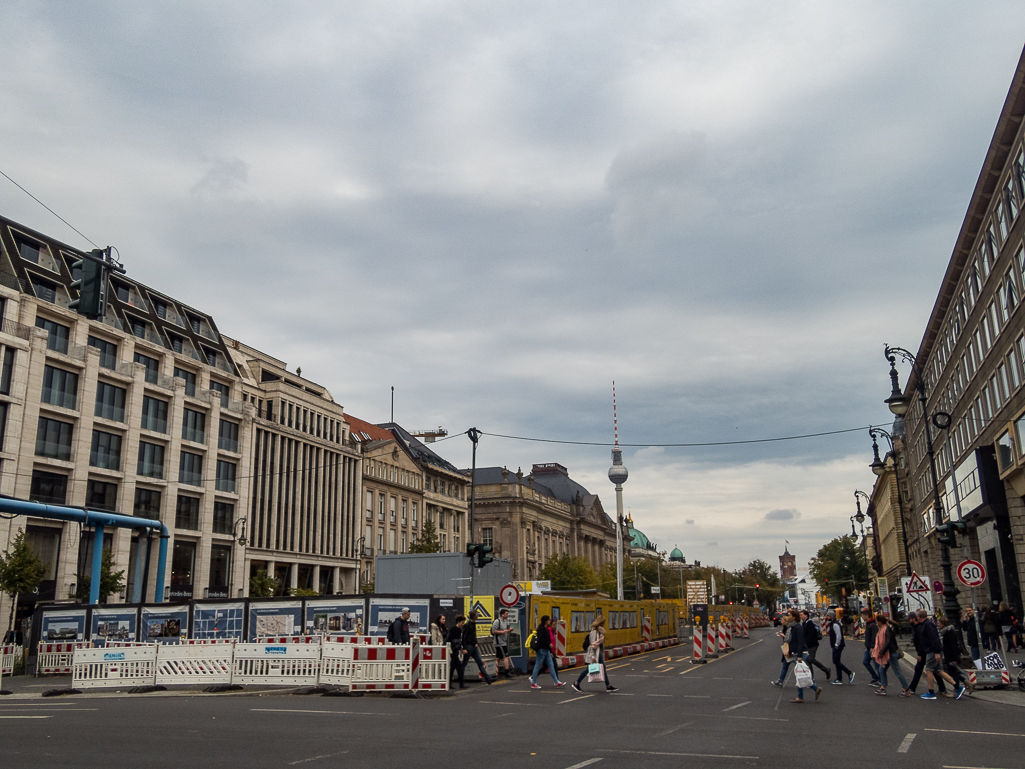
<point x="434" y="668"/>
<point x="276" y="664"/>
<point x="7" y="657"/>
<point x="576" y="660"/>
<point x="385" y="668"/>
<point x="710" y="648"/>
<point x="646" y="629"/>
<point x="205" y="664"/>
<point x="57" y="658"/>
<point x="699" y="643"/>
<point x="988" y="677"/>
<point x="727" y="630"/>
<point x="289" y="639"/>
<point x="99" y="668"/>
<point x="720" y="636"/>
<point x="560" y="639"/>
<point x="746" y="628"/>
<point x="336" y="663"/>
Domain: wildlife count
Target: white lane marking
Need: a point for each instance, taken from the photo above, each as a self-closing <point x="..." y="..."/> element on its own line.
<point x="36" y="704"/>
<point x="523" y="704"/>
<point x="965" y="731"/>
<point x="316" y="758"/>
<point x="674" y="729"/>
<point x="326" y="712"/>
<point x="660" y="695"/>
<point x="26" y="716"/>
<point x="582" y="764"/>
<point x="905" y="746"/>
<point x="734" y="707"/>
<point x="698" y="696"/>
<point x="968" y="767"/>
<point x="576" y="699"/>
<point x="663" y="753"/>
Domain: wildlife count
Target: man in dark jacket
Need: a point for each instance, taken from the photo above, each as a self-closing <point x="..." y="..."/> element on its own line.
<point x="812" y="636"/>
<point x="871" y="629"/>
<point x="398" y="630"/>
<point x="470" y="650"/>
<point x="953" y="650"/>
<point x="455" y="642"/>
<point x="932" y="650"/>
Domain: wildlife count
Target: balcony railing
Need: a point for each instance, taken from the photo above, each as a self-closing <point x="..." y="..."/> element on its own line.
<point x="14" y="328"/>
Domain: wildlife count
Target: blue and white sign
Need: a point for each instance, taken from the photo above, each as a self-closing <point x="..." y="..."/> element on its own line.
<point x="114" y="624"/>
<point x="276" y="619"/>
<point x="63" y="626"/>
<point x="384" y="610"/>
<point x="334" y="617"/>
<point x="220" y="620"/>
<point x="164" y="624"/>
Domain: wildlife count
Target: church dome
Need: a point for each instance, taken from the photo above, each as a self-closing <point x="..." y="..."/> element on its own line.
<point x="676" y="555"/>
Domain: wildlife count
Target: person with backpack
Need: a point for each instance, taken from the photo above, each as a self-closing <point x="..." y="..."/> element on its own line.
<point x="398" y="630"/>
<point x="541" y="645"/>
<point x="470" y="650"/>
<point x="501" y="629"/>
<point x="594" y="646"/>
<point x="812" y="636"/>
<point x="455" y="655"/>
<point x="837" y="644"/>
<point x="886" y="654"/>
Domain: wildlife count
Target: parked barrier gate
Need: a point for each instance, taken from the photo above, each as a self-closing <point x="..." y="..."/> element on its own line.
<point x="197" y="664"/>
<point x="276" y="664"/>
<point x="99" y="668"/>
<point x="336" y="662"/>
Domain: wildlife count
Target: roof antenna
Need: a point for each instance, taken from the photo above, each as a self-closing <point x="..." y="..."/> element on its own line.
<point x="393" y="404"/>
<point x="615" y="422"/>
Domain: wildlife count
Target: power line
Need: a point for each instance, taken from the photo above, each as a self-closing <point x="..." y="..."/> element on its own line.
<point x="46" y="206"/>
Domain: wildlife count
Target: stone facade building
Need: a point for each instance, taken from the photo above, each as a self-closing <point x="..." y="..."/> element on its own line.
<point x="531" y="519"/>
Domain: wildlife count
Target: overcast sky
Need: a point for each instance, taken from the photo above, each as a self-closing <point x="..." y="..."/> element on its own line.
<point x="500" y="208"/>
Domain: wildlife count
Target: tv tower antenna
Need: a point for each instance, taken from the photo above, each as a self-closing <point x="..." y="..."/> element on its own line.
<point x="618" y="475"/>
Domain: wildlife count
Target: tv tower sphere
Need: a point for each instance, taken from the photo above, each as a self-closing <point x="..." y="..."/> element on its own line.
<point x="618" y="472"/>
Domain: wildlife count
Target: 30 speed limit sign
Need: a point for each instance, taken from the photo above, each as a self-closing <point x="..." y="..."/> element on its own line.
<point x="971" y="573"/>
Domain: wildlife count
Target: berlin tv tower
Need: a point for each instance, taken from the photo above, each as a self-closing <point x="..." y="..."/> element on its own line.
<point x="618" y="475"/>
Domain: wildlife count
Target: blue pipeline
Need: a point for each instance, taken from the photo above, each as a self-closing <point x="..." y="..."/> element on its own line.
<point x="99" y="520"/>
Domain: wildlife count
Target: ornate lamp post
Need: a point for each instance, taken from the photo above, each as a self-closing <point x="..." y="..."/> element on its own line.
<point x="859" y="516"/>
<point x="899" y="403"/>
<point x="878" y="467"/>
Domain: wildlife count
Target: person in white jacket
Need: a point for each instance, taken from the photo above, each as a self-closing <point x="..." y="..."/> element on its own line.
<point x="595" y="653"/>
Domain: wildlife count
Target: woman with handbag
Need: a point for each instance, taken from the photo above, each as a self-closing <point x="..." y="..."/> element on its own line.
<point x="799" y="651"/>
<point x="594" y="661"/>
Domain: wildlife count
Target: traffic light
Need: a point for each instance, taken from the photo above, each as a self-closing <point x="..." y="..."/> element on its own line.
<point x="472" y="550"/>
<point x="91" y="285"/>
<point x="483" y="559"/>
<point x="756" y="585"/>
<point x="947" y="534"/>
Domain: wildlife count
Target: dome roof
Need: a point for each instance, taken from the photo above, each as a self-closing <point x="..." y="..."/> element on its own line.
<point x="676" y="555"/>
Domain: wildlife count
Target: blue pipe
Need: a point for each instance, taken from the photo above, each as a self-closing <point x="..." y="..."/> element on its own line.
<point x="98" y="519"/>
<point x="140" y="556"/>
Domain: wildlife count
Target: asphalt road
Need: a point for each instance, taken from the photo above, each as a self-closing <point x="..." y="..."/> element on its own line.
<point x="667" y="713"/>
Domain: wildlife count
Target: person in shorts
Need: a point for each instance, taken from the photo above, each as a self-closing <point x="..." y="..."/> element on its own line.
<point x="500" y="630"/>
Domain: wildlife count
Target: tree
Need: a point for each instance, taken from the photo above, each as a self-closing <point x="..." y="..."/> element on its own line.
<point x="840" y="566"/>
<point x="21" y="571"/>
<point x="262" y="586"/>
<point x="569" y="572"/>
<point x="428" y="541"/>
<point x="367" y="588"/>
<point x="110" y="581"/>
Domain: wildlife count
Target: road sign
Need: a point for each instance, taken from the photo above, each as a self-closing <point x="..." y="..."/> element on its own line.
<point x="971" y="573"/>
<point x="509" y="595"/>
<point x="916" y="584"/>
<point x="937" y="586"/>
<point x="656" y="590"/>
<point x="917" y="594"/>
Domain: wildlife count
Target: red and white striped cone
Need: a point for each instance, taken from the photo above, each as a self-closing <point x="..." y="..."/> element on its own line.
<point x="560" y="639"/>
<point x="746" y="627"/>
<point x="710" y="648"/>
<point x="699" y="643"/>
<point x="728" y="632"/>
<point x="722" y="637"/>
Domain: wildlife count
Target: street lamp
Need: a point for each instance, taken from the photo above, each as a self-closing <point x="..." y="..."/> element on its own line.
<point x="899" y="403"/>
<point x="879" y="468"/>
<point x="239" y="537"/>
<point x="359" y="564"/>
<point x="859" y="516"/>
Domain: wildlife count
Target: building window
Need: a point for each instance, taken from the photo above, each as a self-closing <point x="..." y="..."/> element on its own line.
<point x="8" y="371"/>
<point x="222" y="390"/>
<point x="28" y="250"/>
<point x="487" y="536"/>
<point x="53" y="439"/>
<point x="225" y="476"/>
<point x="183" y="564"/>
<point x="194" y="426"/>
<point x="186" y="515"/>
<point x="147" y="503"/>
<point x="154" y="414"/>
<point x="152" y="366"/>
<point x="190" y="470"/>
<point x="60" y="387"/>
<point x="189" y="377"/>
<point x="414" y="515"/>
<point x="391" y="508"/>
<point x="441" y="520"/>
<point x="370" y="505"/>
<point x="106" y="451"/>
<point x="444" y="542"/>
<point x="224" y="517"/>
<point x="403" y="543"/>
<point x="108" y="351"/>
<point x="48" y="488"/>
<point x="57" y="335"/>
<point x="220" y="557"/>
<point x="151" y="460"/>
<point x="110" y="402"/>
<point x="177" y="344"/>
<point x="100" y="495"/>
<point x="210" y="355"/>
<point x="405" y="504"/>
<point x="380" y="507"/>
<point x="45" y="289"/>
<point x="3" y="423"/>
<point x="227" y="436"/>
<point x="160" y="308"/>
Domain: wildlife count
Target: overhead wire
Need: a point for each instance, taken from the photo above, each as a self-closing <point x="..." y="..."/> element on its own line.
<point x="8" y="178"/>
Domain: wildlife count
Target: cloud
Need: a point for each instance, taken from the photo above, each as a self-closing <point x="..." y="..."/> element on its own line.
<point x="786" y="514"/>
<point x="689" y="521"/>
<point x="711" y="544"/>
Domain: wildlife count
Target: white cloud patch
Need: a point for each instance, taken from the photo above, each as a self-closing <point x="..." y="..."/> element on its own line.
<point x="787" y="514"/>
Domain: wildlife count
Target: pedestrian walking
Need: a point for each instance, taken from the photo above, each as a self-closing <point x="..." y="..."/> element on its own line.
<point x="455" y="656"/>
<point x="971" y="631"/>
<point x="786" y="658"/>
<point x="871" y="630"/>
<point x="595" y="654"/>
<point x="543" y="648"/>
<point x="990" y="630"/>
<point x="500" y="630"/>
<point x="837" y="644"/>
<point x="932" y="650"/>
<point x="438" y="631"/>
<point x="470" y="650"/>
<point x="398" y="630"/>
<point x="953" y="650"/>
<point x="1008" y="626"/>
<point x="812" y="636"/>
<point x="886" y="654"/>
<point x="799" y="651"/>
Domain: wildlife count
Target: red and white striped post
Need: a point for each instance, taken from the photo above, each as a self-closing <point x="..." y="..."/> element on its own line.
<point x="699" y="644"/>
<point x="728" y="633"/>
<point x="710" y="648"/>
<point x="560" y="639"/>
<point x="646" y="630"/>
<point x="746" y="628"/>
<point x="721" y="637"/>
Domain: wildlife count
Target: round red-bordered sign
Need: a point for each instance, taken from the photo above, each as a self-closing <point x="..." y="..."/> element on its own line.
<point x="971" y="573"/>
<point x="937" y="586"/>
<point x="509" y="595"/>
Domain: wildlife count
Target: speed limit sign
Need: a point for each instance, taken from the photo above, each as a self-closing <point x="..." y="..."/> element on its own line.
<point x="971" y="573"/>
<point x="509" y="595"/>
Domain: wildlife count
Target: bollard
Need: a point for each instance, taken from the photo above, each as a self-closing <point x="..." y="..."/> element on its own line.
<point x="560" y="639"/>
<point x="728" y="635"/>
<point x="699" y="646"/>
<point x="746" y="628"/>
<point x="721" y="638"/>
<point x="710" y="648"/>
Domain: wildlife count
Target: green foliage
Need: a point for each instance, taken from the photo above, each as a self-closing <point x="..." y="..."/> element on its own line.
<point x="569" y="572"/>
<point x="428" y="540"/>
<point x="262" y="586"/>
<point x="368" y="588"/>
<point x="110" y="581"/>
<point x="840" y="564"/>
<point x="302" y="592"/>
<point x="21" y="570"/>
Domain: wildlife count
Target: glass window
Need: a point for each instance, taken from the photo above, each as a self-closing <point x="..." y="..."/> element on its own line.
<point x="147" y="503"/>
<point x="160" y="308"/>
<point x="220" y="558"/>
<point x="154" y="414"/>
<point x="186" y="515"/>
<point x="48" y="488"/>
<point x="110" y="402"/>
<point x="3" y="423"/>
<point x="391" y="508"/>
<point x="190" y="470"/>
<point x="190" y="380"/>
<point x="370" y="505"/>
<point x="210" y="355"/>
<point x="1005" y="385"/>
<point x="222" y="390"/>
<point x="225" y="476"/>
<point x="53" y="439"/>
<point x="405" y="505"/>
<point x="152" y="366"/>
<point x="194" y="426"/>
<point x="45" y="289"/>
<point x="60" y="387"/>
<point x="380" y="507"/>
<point x="488" y="536"/>
<point x="1001" y="218"/>
<point x="1009" y="198"/>
<point x="227" y="436"/>
<point x="100" y="495"/>
<point x="8" y="371"/>
<point x="1012" y="367"/>
<point x="138" y="326"/>
<point x="224" y="517"/>
<point x="28" y="250"/>
<point x="183" y="563"/>
<point x="177" y="343"/>
<point x="108" y="351"/>
<point x="1005" y="452"/>
<point x="57" y="335"/>
<point x="151" y="460"/>
<point x="106" y="451"/>
<point x="414" y="515"/>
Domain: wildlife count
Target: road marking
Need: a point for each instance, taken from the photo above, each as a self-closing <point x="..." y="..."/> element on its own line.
<point x="721" y="679"/>
<point x="326" y="712"/>
<point x="316" y="758"/>
<point x="663" y="753"/>
<point x="499" y="702"/>
<point x="26" y="716"/>
<point x="698" y="696"/>
<point x="964" y="731"/>
<point x="575" y="699"/>
<point x="660" y="695"/>
<point x="674" y="729"/>
<point x="582" y="764"/>
<point x="905" y="746"/>
<point x="61" y="710"/>
<point x="734" y="707"/>
<point x="968" y="767"/>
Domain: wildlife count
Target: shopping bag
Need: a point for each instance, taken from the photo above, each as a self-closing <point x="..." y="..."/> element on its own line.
<point x="803" y="675"/>
<point x="785" y="648"/>
<point x="595" y="673"/>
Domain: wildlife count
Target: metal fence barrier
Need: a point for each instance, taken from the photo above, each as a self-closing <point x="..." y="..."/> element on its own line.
<point x="336" y="663"/>
<point x="206" y="664"/>
<point x="7" y="656"/>
<point x="57" y="658"/>
<point x="385" y="668"/>
<point x="99" y="668"/>
<point x="276" y="664"/>
<point x="434" y="668"/>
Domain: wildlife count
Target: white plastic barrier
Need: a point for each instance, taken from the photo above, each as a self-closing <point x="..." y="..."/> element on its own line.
<point x="56" y="658"/>
<point x="336" y="663"/>
<point x="7" y="657"/>
<point x="97" y="668"/>
<point x="204" y="664"/>
<point x="276" y="664"/>
<point x="434" y="668"/>
<point x="385" y="668"/>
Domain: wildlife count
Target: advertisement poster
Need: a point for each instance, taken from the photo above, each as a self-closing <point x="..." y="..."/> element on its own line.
<point x="384" y="610"/>
<point x="218" y="620"/>
<point x="113" y="624"/>
<point x="63" y="626"/>
<point x="334" y="617"/>
<point x="164" y="624"/>
<point x="281" y="618"/>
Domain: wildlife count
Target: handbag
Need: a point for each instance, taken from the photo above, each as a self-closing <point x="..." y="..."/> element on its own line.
<point x="803" y="675"/>
<point x="595" y="672"/>
<point x="786" y="649"/>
